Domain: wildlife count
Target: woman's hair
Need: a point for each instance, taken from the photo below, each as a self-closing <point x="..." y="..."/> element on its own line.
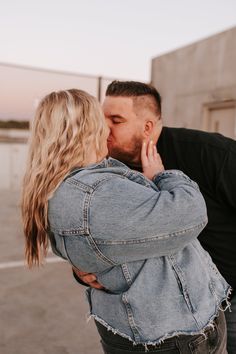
<point x="68" y="126"/>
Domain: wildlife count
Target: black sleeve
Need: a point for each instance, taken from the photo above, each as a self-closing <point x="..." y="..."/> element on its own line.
<point x="226" y="183"/>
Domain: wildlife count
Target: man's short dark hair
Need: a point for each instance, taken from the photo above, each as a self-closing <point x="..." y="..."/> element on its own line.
<point x="134" y="89"/>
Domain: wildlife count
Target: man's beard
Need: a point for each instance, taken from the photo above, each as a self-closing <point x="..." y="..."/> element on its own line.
<point x="130" y="155"/>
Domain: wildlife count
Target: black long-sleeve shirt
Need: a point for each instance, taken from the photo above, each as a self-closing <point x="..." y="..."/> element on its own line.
<point x="210" y="160"/>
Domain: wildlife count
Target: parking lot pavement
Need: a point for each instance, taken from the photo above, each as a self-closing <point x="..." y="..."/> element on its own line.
<point x="42" y="311"/>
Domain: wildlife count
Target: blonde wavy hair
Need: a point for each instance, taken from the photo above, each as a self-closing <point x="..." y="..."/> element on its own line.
<point x="67" y="126"/>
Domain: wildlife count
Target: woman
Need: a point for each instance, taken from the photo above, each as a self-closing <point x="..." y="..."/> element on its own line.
<point x="136" y="232"/>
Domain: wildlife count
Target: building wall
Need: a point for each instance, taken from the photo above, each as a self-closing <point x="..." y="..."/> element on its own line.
<point x="13" y="161"/>
<point x="198" y="84"/>
<point x="13" y="155"/>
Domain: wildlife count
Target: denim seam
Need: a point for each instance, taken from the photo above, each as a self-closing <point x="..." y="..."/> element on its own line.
<point x="150" y="239"/>
<point x="171" y="173"/>
<point x="214" y="269"/>
<point x="99" y="254"/>
<point x="74" y="232"/>
<point x="184" y="289"/>
<point x="130" y="173"/>
<point x="80" y="184"/>
<point x="64" y="249"/>
<point x="86" y="212"/>
<point x="100" y="181"/>
<point x="126" y="273"/>
<point x="212" y="288"/>
<point x="93" y="244"/>
<point x="89" y="188"/>
<point x="131" y="318"/>
<point x="90" y="239"/>
<point x="67" y="255"/>
<point x="127" y="173"/>
<point x="96" y="250"/>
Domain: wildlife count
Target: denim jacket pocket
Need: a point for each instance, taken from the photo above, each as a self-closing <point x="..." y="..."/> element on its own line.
<point x="182" y="283"/>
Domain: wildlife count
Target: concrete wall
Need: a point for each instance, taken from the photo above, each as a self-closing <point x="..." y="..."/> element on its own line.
<point x="198" y="84"/>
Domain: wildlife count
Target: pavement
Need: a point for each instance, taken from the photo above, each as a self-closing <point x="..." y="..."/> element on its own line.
<point x="42" y="311"/>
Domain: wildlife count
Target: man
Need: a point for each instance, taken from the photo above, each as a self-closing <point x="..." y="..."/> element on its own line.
<point x="133" y="113"/>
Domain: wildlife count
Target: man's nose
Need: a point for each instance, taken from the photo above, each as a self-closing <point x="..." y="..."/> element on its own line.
<point x="108" y="131"/>
<point x="109" y="123"/>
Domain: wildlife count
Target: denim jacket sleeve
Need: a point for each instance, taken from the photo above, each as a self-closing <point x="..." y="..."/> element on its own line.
<point x="129" y="221"/>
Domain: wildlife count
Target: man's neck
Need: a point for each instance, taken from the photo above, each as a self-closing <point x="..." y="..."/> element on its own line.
<point x="136" y="167"/>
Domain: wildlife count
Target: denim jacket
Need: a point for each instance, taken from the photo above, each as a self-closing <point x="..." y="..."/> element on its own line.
<point x="140" y="238"/>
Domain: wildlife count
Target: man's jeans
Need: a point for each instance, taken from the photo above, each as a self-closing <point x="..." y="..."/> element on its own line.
<point x="213" y="341"/>
<point x="231" y="327"/>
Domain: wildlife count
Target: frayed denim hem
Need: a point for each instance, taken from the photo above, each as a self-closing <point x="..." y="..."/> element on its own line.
<point x="210" y="324"/>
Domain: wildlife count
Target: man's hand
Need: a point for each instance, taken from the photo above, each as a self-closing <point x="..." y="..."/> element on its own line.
<point x="151" y="160"/>
<point x="87" y="278"/>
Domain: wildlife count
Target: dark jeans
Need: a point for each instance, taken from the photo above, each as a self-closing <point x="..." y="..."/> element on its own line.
<point x="231" y="326"/>
<point x="213" y="341"/>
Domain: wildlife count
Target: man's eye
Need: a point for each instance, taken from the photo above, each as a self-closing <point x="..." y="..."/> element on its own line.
<point x="116" y="121"/>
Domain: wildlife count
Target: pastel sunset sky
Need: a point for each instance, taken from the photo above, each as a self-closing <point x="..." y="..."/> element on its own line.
<point x="105" y="37"/>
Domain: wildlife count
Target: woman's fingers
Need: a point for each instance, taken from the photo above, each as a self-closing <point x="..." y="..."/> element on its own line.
<point x="147" y="152"/>
<point x="150" y="151"/>
<point x="151" y="160"/>
<point x="144" y="158"/>
<point x="155" y="153"/>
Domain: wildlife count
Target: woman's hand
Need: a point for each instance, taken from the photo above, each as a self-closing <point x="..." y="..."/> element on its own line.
<point x="151" y="160"/>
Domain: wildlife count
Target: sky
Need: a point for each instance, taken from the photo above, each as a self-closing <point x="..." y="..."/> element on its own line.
<point x="116" y="39"/>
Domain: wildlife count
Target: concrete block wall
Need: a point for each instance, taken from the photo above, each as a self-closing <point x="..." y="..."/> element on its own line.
<point x="193" y="79"/>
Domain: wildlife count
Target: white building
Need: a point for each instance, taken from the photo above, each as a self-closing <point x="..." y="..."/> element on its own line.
<point x="13" y="152"/>
<point x="21" y="88"/>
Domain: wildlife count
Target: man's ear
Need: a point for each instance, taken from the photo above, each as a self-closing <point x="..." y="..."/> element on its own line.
<point x="148" y="128"/>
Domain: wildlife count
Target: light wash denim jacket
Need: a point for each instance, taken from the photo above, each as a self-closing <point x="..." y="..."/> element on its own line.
<point x="140" y="238"/>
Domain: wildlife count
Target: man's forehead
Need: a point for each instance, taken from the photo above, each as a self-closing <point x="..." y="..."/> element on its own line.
<point x="117" y="104"/>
